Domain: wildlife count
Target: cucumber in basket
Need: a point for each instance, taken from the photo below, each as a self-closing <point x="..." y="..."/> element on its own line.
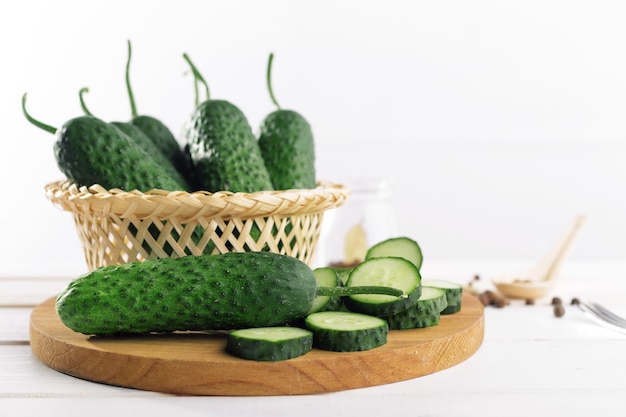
<point x="344" y="331"/>
<point x="90" y="151"/>
<point x="142" y="141"/>
<point x="269" y="343"/>
<point x="393" y="272"/>
<point x="402" y="247"/>
<point x="223" y="150"/>
<point x="287" y="146"/>
<point x="454" y="293"/>
<point x="233" y="290"/>
<point x="159" y="134"/>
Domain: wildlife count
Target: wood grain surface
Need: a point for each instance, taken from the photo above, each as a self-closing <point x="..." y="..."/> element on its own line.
<point x="196" y="363"/>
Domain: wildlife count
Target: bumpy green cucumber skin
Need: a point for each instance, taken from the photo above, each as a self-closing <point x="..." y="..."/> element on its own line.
<point x="90" y="151"/>
<point x="327" y="337"/>
<point x="451" y="309"/>
<point x="327" y="277"/>
<point x="412" y="320"/>
<point x="208" y="292"/>
<point x="163" y="139"/>
<point x="224" y="151"/>
<point x="382" y="309"/>
<point x="426" y="311"/>
<point x="144" y="142"/>
<point x="433" y="300"/>
<point x="252" y="343"/>
<point x="288" y="149"/>
<point x="454" y="294"/>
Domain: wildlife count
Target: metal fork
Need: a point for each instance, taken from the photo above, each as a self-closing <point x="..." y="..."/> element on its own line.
<point x="603" y="316"/>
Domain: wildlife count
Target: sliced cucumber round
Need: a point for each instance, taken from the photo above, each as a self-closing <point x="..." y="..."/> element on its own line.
<point x="269" y="343"/>
<point x="402" y="247"/>
<point x="327" y="277"/>
<point x="454" y="293"/>
<point x="426" y="312"/>
<point x="433" y="300"/>
<point x="391" y="272"/>
<point x="343" y="331"/>
<point x="410" y="319"/>
<point x="344" y="273"/>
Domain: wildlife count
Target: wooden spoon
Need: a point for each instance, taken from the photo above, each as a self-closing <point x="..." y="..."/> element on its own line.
<point x="536" y="282"/>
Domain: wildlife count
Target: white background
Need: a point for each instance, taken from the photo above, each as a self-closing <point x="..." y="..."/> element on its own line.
<point x="497" y="121"/>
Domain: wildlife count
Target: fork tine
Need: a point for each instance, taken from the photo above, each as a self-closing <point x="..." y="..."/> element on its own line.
<point x="600" y="318"/>
<point x="608" y="313"/>
<point x="601" y="313"/>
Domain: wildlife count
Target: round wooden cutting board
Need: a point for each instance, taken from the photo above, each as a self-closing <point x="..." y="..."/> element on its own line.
<point x="196" y="363"/>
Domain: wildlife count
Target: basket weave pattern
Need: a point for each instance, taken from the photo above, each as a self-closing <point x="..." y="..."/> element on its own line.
<point x="117" y="226"/>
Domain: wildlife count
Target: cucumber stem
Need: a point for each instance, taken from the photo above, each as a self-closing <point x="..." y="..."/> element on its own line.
<point x="131" y="96"/>
<point x="269" y="80"/>
<point x="82" y="101"/>
<point x="364" y="289"/>
<point x="37" y="123"/>
<point x="197" y="78"/>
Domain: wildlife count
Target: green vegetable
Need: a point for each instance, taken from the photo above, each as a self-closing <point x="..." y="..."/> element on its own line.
<point x="327" y="277"/>
<point x="160" y="135"/>
<point x="287" y="146"/>
<point x="224" y="151"/>
<point x="144" y="142"/>
<point x="233" y="290"/>
<point x="426" y="312"/>
<point x="269" y="343"/>
<point x="343" y="272"/>
<point x="454" y="293"/>
<point x="90" y="151"/>
<point x="343" y="331"/>
<point x="394" y="272"/>
<point x="402" y="247"/>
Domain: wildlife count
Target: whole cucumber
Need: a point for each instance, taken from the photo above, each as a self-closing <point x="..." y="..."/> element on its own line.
<point x="90" y="151"/>
<point x="223" y="149"/>
<point x="208" y="292"/>
<point x="160" y="135"/>
<point x="287" y="146"/>
<point x="144" y="142"/>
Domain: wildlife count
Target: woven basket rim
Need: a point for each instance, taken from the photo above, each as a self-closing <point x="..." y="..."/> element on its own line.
<point x="189" y="206"/>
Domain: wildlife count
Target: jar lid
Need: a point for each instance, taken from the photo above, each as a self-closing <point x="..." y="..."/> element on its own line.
<point x="380" y="187"/>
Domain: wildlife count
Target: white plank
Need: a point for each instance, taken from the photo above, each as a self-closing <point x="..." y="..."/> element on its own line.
<point x="14" y="324"/>
<point x="361" y="403"/>
<point x="29" y="291"/>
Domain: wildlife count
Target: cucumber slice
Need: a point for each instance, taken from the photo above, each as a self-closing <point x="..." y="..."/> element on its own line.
<point x="344" y="273"/>
<point x="397" y="273"/>
<point x="425" y="313"/>
<point x="412" y="320"/>
<point x="326" y="277"/>
<point x="269" y="343"/>
<point x="402" y="247"/>
<point x="343" y="331"/>
<point x="454" y="293"/>
<point x="455" y="308"/>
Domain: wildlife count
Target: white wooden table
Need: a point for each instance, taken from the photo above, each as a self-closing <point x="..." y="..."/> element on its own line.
<point x="530" y="363"/>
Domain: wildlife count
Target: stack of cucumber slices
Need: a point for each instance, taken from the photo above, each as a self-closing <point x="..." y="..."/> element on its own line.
<point x="358" y="322"/>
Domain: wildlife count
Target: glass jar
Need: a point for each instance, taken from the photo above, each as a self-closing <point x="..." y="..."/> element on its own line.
<point x="366" y="218"/>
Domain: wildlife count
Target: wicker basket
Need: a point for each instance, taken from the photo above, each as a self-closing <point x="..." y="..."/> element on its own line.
<point x="117" y="227"/>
